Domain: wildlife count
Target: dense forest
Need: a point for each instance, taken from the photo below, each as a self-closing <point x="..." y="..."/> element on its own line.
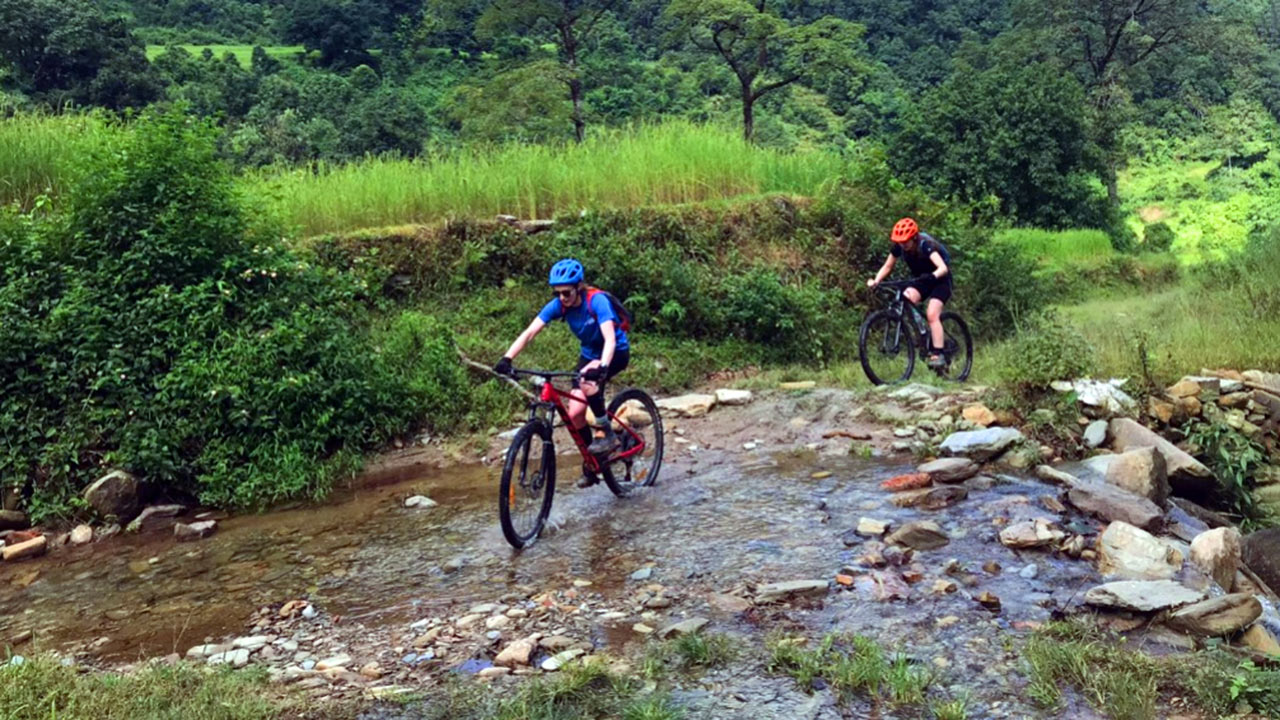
<point x="1035" y="105"/>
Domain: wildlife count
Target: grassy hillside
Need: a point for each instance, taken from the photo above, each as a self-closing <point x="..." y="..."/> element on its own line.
<point x="242" y="53"/>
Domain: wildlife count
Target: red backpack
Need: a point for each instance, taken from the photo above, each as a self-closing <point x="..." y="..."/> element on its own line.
<point x="618" y="308"/>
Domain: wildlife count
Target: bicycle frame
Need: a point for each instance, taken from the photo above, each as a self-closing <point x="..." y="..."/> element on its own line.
<point x="901" y="307"/>
<point x="551" y="397"/>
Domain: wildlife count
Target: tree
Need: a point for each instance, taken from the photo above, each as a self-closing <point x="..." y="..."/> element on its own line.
<point x="341" y="30"/>
<point x="573" y="21"/>
<point x="765" y="52"/>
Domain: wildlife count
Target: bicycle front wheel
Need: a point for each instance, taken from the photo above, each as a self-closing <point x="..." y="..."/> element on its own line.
<point x="637" y="424"/>
<point x="528" y="484"/>
<point x="957" y="345"/>
<point x="886" y="348"/>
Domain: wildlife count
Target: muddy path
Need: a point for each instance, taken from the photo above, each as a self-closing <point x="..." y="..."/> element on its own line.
<point x="748" y="496"/>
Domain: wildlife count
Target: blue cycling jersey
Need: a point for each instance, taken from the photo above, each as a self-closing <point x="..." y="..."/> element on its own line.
<point x="586" y="323"/>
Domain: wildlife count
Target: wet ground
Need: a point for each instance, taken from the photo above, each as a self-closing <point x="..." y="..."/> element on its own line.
<point x="721" y="519"/>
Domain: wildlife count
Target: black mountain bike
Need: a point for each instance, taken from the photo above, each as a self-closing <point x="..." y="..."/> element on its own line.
<point x="891" y="336"/>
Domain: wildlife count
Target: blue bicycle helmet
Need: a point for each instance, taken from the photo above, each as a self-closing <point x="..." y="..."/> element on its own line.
<point x="566" y="272"/>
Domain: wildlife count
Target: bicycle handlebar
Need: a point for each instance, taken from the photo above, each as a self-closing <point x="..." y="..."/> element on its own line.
<point x="548" y="374"/>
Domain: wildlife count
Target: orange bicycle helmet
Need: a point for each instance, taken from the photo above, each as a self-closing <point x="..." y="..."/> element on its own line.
<point x="904" y="230"/>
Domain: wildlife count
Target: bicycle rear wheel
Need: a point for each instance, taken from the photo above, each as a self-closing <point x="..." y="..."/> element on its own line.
<point x="528" y="484"/>
<point x="637" y="422"/>
<point x="886" y="348"/>
<point x="957" y="346"/>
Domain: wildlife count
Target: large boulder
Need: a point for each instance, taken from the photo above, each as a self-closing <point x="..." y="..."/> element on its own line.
<point x="12" y="520"/>
<point x="1217" y="616"/>
<point x="1261" y="552"/>
<point x="950" y="470"/>
<point x="115" y="494"/>
<point x="689" y="406"/>
<point x="1142" y="595"/>
<point x="1217" y="552"/>
<point x="1129" y="553"/>
<point x="1141" y="471"/>
<point x="980" y="445"/>
<point x="1111" y="504"/>
<point x="1187" y="475"/>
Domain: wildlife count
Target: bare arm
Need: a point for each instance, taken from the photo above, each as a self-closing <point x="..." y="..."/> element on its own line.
<point x="941" y="264"/>
<point x="884" y="271"/>
<point x="610" y="342"/>
<point x="529" y="333"/>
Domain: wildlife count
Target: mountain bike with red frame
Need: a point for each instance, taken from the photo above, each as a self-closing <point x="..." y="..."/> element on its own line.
<point x="529" y="473"/>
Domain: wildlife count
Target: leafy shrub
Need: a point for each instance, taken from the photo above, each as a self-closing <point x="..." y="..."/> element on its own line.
<point x="160" y="326"/>
<point x="1048" y="349"/>
<point x="1235" y="460"/>
<point x="760" y="308"/>
<point x="1158" y="237"/>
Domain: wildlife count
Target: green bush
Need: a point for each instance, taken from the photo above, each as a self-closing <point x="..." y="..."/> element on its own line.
<point x="159" y="325"/>
<point x="1158" y="237"/>
<point x="1048" y="349"/>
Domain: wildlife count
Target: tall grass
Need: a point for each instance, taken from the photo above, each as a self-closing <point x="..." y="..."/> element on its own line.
<point x="672" y="162"/>
<point x="242" y="53"/>
<point x="37" y="152"/>
<point x="1061" y="248"/>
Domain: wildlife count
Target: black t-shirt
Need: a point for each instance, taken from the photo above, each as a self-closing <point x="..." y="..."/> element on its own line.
<point x="919" y="261"/>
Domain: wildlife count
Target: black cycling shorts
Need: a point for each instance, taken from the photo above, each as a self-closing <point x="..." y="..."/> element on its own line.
<point x="938" y="289"/>
<point x="620" y="360"/>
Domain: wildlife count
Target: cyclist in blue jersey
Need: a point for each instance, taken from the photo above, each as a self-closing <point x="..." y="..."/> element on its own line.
<point x="605" y="351"/>
<point x="929" y="262"/>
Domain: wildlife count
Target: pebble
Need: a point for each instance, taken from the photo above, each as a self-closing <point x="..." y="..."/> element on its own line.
<point x="497" y="622"/>
<point x="643" y="573"/>
<point x="420" y="501"/>
<point x="642" y="628"/>
<point x="1029" y="572"/>
<point x="336" y="661"/>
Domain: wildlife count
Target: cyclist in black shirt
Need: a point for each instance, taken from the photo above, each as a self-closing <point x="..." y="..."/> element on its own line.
<point x="929" y="262"/>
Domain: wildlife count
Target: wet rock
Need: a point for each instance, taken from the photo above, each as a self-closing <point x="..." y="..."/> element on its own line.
<point x="935" y="498"/>
<point x="422" y="502"/>
<point x="688" y="406"/>
<point x="335" y="661"/>
<point x="195" y="531"/>
<point x="1261" y="553"/>
<point x="1054" y="475"/>
<point x="203" y="651"/>
<point x="1186" y="474"/>
<point x="1031" y="534"/>
<point x="12" y="520"/>
<point x="1142" y="595"/>
<point x="559" y="660"/>
<point x="1095" y="433"/>
<point x="25" y="549"/>
<point x="1029" y="572"/>
<point x="1217" y="616"/>
<point x="492" y="672"/>
<point x="518" y="652"/>
<point x="685" y="627"/>
<point x="728" y="603"/>
<point x="642" y="629"/>
<point x="497" y="622"/>
<point x="1259" y="638"/>
<point x="911" y="481"/>
<point x="81" y="534"/>
<point x="235" y="658"/>
<point x="154" y="517"/>
<point x="979" y="415"/>
<point x="1130" y="553"/>
<point x="881" y="586"/>
<point x="870" y="527"/>
<point x="949" y="470"/>
<point x="1217" y="552"/>
<point x="725" y="396"/>
<point x="980" y="445"/>
<point x="1142" y="472"/>
<point x="922" y="535"/>
<point x="774" y="592"/>
<point x="989" y="601"/>
<point x="1113" y="504"/>
<point x="252" y="643"/>
<point x="114" y="495"/>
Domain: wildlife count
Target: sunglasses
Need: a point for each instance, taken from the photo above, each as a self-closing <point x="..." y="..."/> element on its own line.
<point x="565" y="293"/>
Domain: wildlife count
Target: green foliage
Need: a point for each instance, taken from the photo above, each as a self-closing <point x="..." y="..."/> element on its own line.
<point x="1061" y="248"/>
<point x="1235" y="460"/>
<point x="159" y="325"/>
<point x="689" y="652"/>
<point x="1158" y="237"/>
<point x="852" y="666"/>
<point x="1047" y="349"/>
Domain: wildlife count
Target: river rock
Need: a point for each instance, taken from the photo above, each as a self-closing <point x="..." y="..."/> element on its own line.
<point x="154" y="517"/>
<point x="935" y="498"/>
<point x="950" y="470"/>
<point x="195" y="531"/>
<point x="1259" y="638"/>
<point x="1161" y="409"/>
<point x="559" y="660"/>
<point x="1142" y="595"/>
<point x="688" y="406"/>
<point x="1184" y="388"/>
<point x="12" y="520"/>
<point x="1031" y="533"/>
<point x="923" y="535"/>
<point x="774" y="592"/>
<point x="1141" y="471"/>
<point x="725" y="396"/>
<point x="421" y="502"/>
<point x="1217" y="616"/>
<point x="1261" y="552"/>
<point x="1095" y="433"/>
<point x="235" y="658"/>
<point x="26" y="549"/>
<point x="518" y="652"/>
<point x="979" y="414"/>
<point x="1217" y="552"/>
<point x="114" y="494"/>
<point x="1050" y="474"/>
<point x="1186" y="474"/>
<point x="870" y="527"/>
<point x="81" y="534"/>
<point x="685" y="627"/>
<point x="980" y="445"/>
<point x="340" y="660"/>
<point x="1130" y="553"/>
<point x="252" y="643"/>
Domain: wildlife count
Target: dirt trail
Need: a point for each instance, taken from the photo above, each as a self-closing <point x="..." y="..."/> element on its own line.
<point x="410" y="594"/>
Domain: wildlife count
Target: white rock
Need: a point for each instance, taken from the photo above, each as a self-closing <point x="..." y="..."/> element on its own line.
<point x="559" y="660"/>
<point x="252" y="643"/>
<point x="1130" y="553"/>
<point x="336" y="661"/>
<point x="726" y="396"/>
<point x="420" y="501"/>
<point x="81" y="534"/>
<point x="1217" y="552"/>
<point x="690" y="406"/>
<point x="1142" y="595"/>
